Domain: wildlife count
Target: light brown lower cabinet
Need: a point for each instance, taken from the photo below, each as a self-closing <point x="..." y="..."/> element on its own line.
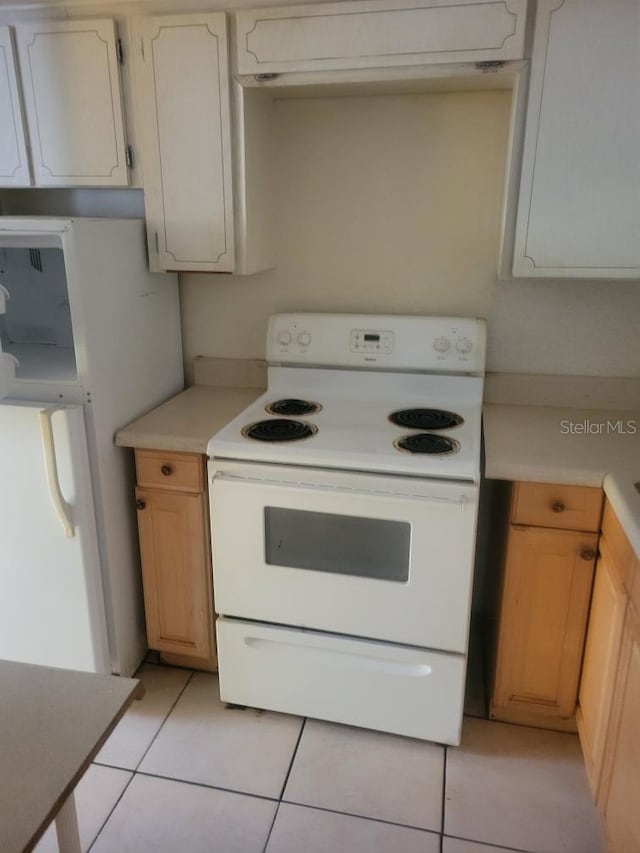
<point x="546" y="589"/>
<point x="546" y="605"/>
<point x="173" y="526"/>
<point x="602" y="649"/>
<point x="609" y="701"/>
<point x="619" y="797"/>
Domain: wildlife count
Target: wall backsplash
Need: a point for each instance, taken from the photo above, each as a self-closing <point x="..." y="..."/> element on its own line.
<point x="580" y="328"/>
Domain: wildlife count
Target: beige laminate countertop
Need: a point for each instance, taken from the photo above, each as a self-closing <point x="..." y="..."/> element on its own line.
<point x="545" y="444"/>
<point x="583" y="447"/>
<point x="187" y="421"/>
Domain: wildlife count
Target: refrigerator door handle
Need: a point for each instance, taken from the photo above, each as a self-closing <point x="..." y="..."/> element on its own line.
<point x="51" y="468"/>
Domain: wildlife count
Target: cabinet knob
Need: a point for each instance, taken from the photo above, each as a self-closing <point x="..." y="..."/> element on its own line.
<point x="140" y="504"/>
<point x="588" y="554"/>
<point x="167" y="470"/>
<point x="558" y="506"/>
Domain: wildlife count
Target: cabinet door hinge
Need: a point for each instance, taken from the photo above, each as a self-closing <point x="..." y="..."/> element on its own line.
<point x="119" y="51"/>
<point x="490" y="65"/>
<point x="129" y="157"/>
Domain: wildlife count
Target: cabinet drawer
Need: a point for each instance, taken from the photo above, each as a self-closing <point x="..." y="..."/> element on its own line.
<point x="565" y="507"/>
<point x="346" y="680"/>
<point x="182" y="472"/>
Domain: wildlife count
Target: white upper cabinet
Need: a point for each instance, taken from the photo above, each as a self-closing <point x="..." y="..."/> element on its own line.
<point x="182" y="84"/>
<point x="377" y="34"/>
<point x="14" y="163"/>
<point x="71" y="90"/>
<point x="579" y="206"/>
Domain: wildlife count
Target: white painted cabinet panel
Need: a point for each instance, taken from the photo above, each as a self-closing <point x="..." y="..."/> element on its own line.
<point x="378" y="33"/>
<point x="73" y="104"/>
<point x="183" y="99"/>
<point x="579" y="206"/>
<point x="14" y="162"/>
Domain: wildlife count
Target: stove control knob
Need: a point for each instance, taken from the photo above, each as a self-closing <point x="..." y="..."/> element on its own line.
<point x="441" y="344"/>
<point x="284" y="338"/>
<point x="304" y="339"/>
<point x="464" y="345"/>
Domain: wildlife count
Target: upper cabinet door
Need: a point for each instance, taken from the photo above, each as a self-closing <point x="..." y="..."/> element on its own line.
<point x="14" y="163"/>
<point x="72" y="98"/>
<point x="183" y="100"/>
<point x="579" y="205"/>
<point x="378" y="33"/>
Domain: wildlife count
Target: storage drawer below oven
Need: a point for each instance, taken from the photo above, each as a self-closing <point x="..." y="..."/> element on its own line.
<point x="375" y="685"/>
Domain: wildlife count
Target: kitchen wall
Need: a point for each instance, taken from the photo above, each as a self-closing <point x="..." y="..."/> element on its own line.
<point x="389" y="203"/>
<point x="581" y="328"/>
<point x="393" y="204"/>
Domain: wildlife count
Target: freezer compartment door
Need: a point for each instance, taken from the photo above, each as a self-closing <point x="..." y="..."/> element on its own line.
<point x="51" y="598"/>
<point x="406" y="691"/>
<point x="8" y="363"/>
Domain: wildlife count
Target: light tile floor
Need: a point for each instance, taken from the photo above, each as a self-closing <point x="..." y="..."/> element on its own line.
<point x="183" y="774"/>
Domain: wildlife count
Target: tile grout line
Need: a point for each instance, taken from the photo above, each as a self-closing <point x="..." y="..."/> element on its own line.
<point x="293" y="758"/>
<point x="112" y="809"/>
<point x="112" y="766"/>
<point x="273" y="823"/>
<point x="364" y="817"/>
<point x="206" y="786"/>
<point x="166" y="717"/>
<point x="491" y="844"/>
<point x="134" y="772"/>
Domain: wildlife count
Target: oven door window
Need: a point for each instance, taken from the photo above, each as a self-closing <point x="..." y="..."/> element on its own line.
<point x="340" y="544"/>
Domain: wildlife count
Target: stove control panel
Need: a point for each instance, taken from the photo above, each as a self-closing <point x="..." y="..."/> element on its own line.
<point x="371" y="340"/>
<point x="388" y="342"/>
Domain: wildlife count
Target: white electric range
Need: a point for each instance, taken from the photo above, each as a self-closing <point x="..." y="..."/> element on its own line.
<point x="343" y="516"/>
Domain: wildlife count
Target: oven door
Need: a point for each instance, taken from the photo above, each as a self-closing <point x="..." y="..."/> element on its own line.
<point x="371" y="556"/>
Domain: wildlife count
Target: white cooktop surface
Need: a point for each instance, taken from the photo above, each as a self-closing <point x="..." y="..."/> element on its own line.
<point x="354" y="432"/>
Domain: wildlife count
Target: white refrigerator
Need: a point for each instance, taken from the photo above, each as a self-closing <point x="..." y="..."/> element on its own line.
<point x="90" y="339"/>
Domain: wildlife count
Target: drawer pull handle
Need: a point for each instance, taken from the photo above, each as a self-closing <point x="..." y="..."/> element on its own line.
<point x="167" y="470"/>
<point x="140" y="504"/>
<point x="558" y="506"/>
<point x="588" y="554"/>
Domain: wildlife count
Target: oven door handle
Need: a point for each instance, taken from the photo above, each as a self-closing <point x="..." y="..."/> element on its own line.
<point x="459" y="501"/>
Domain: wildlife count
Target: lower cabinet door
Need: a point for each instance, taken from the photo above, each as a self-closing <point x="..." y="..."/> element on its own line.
<point x="543" y="619"/>
<point x="175" y="571"/>
<point x="620" y="790"/>
<point x="602" y="648"/>
<point x="384" y="686"/>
